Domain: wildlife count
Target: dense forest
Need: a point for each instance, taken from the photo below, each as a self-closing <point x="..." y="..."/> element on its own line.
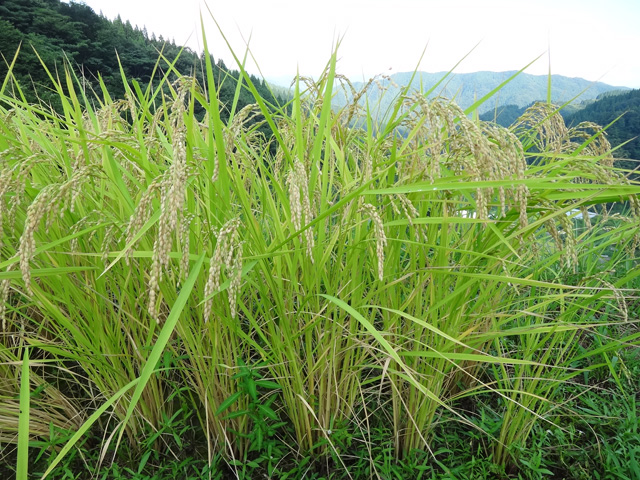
<point x="627" y="128"/>
<point x="52" y="32"/>
<point x="621" y="108"/>
<point x="505" y="116"/>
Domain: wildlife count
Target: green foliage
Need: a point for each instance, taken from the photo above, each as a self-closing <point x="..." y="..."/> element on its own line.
<point x="265" y="451"/>
<point x="619" y="111"/>
<point x="505" y="115"/>
<point x="624" y="110"/>
<point x="341" y="303"/>
<point x="54" y="33"/>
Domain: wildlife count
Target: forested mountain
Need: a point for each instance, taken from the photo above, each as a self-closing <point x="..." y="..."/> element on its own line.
<point x="604" y="110"/>
<point x="505" y="115"/>
<point x="607" y="109"/>
<point x="73" y="32"/>
<point x="466" y="88"/>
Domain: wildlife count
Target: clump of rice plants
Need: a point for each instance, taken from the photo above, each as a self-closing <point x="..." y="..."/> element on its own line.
<point x="384" y="272"/>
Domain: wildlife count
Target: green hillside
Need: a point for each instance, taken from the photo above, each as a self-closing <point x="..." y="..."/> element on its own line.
<point x="626" y="129"/>
<point x="505" y="115"/>
<point x="52" y="32"/>
<point x="621" y="108"/>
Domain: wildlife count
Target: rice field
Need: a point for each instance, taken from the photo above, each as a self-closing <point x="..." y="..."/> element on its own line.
<point x="387" y="271"/>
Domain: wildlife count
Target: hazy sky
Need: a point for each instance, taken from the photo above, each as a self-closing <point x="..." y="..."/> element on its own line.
<point x="592" y="39"/>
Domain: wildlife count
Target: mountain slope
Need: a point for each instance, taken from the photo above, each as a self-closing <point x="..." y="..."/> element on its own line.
<point x="606" y="110"/>
<point x="621" y="108"/>
<point x="97" y="47"/>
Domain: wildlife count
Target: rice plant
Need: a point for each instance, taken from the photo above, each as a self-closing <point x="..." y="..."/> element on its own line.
<point x="368" y="268"/>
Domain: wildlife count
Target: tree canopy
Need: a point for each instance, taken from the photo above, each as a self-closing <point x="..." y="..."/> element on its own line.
<point x="620" y="111"/>
<point x="51" y="32"/>
<point x="606" y="109"/>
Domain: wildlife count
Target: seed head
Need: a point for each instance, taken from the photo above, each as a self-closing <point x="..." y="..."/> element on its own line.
<point x="300" y="203"/>
<point x="184" y="241"/>
<point x="142" y="213"/>
<point x="35" y="213"/>
<point x="4" y="298"/>
<point x="378" y="231"/>
<point x="106" y="243"/>
<point x="227" y="254"/>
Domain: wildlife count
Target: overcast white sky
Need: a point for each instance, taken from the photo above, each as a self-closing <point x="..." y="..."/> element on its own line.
<point x="592" y="39"/>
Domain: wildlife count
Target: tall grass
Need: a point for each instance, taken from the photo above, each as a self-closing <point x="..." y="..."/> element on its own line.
<point x="389" y="271"/>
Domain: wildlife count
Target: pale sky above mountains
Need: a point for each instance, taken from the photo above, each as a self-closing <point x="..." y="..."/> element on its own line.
<point x="591" y="39"/>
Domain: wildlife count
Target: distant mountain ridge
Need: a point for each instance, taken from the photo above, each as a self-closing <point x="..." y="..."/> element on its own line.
<point x="466" y="88"/>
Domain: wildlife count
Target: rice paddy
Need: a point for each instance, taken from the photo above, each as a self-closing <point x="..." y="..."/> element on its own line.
<point x="372" y="275"/>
